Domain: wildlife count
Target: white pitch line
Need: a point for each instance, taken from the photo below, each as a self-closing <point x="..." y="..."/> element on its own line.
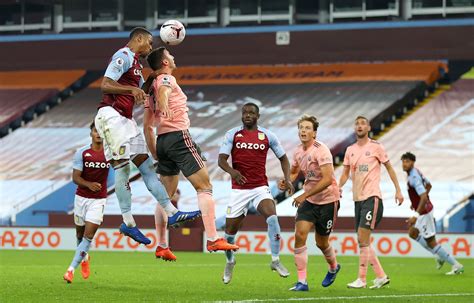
<point x="351" y="297"/>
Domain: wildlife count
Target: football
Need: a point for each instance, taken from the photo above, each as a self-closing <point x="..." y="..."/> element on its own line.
<point x="172" y="32"/>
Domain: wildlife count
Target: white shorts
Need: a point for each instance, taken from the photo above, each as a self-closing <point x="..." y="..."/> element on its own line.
<point x="426" y="225"/>
<point x="122" y="138"/>
<point x="90" y="210"/>
<point x="242" y="199"/>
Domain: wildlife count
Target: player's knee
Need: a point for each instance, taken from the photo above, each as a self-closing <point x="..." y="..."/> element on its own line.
<point x="89" y="234"/>
<point x="322" y="245"/>
<point x="431" y="241"/>
<point x="413" y="233"/>
<point x="300" y="236"/>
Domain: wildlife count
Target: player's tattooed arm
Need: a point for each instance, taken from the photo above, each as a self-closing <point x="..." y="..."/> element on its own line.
<point x="109" y="86"/>
<point x="81" y="182"/>
<point x="235" y="174"/>
<point x="148" y="131"/>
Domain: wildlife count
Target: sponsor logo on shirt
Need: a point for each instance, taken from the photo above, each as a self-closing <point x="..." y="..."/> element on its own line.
<point x="363" y="168"/>
<point x="87" y="155"/>
<point x="96" y="165"/>
<point x="255" y="146"/>
<point x="240" y="136"/>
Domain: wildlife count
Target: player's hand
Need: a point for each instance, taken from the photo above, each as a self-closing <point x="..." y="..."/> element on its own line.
<point x="94" y="186"/>
<point x="167" y="113"/>
<point x="237" y="176"/>
<point x="411" y="221"/>
<point x="286" y="185"/>
<point x="399" y="198"/>
<point x="298" y="200"/>
<point x="139" y="95"/>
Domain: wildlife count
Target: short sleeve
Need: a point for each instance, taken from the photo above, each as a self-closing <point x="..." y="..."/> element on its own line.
<point x="381" y="154"/>
<point x="228" y="143"/>
<point x="323" y="155"/>
<point x="77" y="162"/>
<point x="119" y="64"/>
<point x="416" y="182"/>
<point x="347" y="161"/>
<point x="275" y="144"/>
<point x="165" y="80"/>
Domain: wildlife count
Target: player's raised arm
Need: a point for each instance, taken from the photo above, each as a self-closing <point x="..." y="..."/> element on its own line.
<point x="149" y="130"/>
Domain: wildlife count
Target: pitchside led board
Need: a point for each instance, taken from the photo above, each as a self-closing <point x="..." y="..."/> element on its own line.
<point x="386" y="244"/>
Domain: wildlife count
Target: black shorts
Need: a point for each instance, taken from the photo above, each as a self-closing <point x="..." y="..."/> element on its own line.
<point x="368" y="213"/>
<point x="177" y="152"/>
<point x="322" y="216"/>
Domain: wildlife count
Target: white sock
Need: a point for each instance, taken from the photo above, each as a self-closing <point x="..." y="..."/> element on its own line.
<point x="70" y="268"/>
<point x="170" y="209"/>
<point x="128" y="219"/>
<point x="275" y="258"/>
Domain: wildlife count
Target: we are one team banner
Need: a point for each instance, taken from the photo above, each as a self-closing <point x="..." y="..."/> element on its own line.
<point x="386" y="244"/>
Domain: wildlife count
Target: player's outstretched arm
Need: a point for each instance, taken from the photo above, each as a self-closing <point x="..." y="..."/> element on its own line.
<point x="81" y="182"/>
<point x="287" y="181"/>
<point x="393" y="177"/>
<point x="149" y="132"/>
<point x="235" y="174"/>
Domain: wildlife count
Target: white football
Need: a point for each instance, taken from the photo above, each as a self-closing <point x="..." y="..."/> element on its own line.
<point x="172" y="32"/>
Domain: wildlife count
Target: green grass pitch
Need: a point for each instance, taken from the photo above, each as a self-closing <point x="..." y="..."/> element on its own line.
<point x="36" y="276"/>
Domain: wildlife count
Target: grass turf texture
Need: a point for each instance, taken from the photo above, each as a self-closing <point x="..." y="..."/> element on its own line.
<point x="36" y="276"/>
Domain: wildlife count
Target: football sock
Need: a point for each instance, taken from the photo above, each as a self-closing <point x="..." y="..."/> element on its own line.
<point x="375" y="263"/>
<point x="81" y="252"/>
<point x="301" y="262"/>
<point x="363" y="262"/>
<point x="330" y="256"/>
<point x="229" y="254"/>
<point x="124" y="195"/>
<point x="155" y="187"/>
<point x="444" y="255"/>
<point x="161" y="220"/>
<point x="207" y="207"/>
<point x="274" y="235"/>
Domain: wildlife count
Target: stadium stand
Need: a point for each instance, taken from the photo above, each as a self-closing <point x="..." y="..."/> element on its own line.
<point x="37" y="92"/>
<point x="214" y="105"/>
